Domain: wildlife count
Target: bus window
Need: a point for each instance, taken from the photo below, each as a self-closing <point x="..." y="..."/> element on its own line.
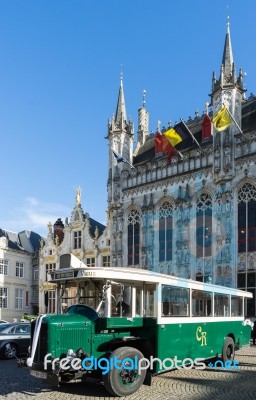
<point x="69" y="298"/>
<point x="221" y="305"/>
<point x="91" y="293"/>
<point x="121" y="301"/>
<point x="201" y="303"/>
<point x="175" y="301"/>
<point x="150" y="304"/>
<point x="236" y="306"/>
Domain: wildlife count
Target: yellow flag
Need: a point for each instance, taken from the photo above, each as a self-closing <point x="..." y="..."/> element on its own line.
<point x="222" y="119"/>
<point x="173" y="137"/>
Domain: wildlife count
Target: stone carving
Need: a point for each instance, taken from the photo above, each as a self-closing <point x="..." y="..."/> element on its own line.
<point x="227" y="158"/>
<point x="120" y="224"/>
<point x="57" y="240"/>
<point x="114" y="224"/>
<point x="78" y="196"/>
<point x="144" y="259"/>
<point x="96" y="233"/>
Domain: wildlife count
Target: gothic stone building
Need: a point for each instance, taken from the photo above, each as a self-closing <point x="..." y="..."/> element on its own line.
<point x="196" y="216"/>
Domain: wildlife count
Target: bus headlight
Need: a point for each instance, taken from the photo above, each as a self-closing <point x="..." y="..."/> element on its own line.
<point x="71" y="354"/>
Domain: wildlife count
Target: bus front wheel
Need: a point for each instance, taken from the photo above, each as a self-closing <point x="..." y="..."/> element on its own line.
<point x="123" y="378"/>
<point x="228" y="351"/>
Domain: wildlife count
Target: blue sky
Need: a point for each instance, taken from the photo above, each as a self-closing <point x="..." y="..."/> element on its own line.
<point x="59" y="81"/>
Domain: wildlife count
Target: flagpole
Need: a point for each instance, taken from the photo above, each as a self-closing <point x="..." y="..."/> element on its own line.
<point x="181" y="156"/>
<point x="191" y="134"/>
<point x="233" y="119"/>
<point x="120" y="158"/>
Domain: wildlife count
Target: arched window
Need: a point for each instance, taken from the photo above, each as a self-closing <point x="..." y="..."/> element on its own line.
<point x="165" y="231"/>
<point x="133" y="237"/>
<point x="247" y="218"/>
<point x="204" y="226"/>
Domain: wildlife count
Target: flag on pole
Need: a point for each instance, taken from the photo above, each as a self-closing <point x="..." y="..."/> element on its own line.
<point x="158" y="142"/>
<point x="172" y="152"/>
<point x="162" y="145"/>
<point x="166" y="145"/>
<point x="173" y="137"/>
<point x="222" y="119"/>
<point x="190" y="133"/>
<point x="120" y="158"/>
<point x="206" y="127"/>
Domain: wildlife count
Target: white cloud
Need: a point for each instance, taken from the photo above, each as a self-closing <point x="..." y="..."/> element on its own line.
<point x="35" y="215"/>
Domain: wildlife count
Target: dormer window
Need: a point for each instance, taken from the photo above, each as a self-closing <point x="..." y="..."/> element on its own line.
<point x="77" y="239"/>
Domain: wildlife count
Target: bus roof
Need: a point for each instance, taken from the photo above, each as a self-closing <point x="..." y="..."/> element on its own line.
<point x="138" y="275"/>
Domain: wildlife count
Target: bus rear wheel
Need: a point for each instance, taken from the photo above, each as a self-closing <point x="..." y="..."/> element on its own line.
<point x="125" y="379"/>
<point x="228" y="351"/>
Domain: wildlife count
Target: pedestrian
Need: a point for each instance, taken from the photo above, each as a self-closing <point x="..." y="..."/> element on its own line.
<point x="254" y="333"/>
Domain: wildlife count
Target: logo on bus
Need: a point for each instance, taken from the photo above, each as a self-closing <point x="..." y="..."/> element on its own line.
<point x="201" y="336"/>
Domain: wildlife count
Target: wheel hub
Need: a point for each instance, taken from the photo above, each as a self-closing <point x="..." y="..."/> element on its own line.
<point x="128" y="376"/>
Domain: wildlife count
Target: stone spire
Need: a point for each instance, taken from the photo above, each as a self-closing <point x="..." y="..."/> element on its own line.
<point x="228" y="76"/>
<point x="227" y="58"/>
<point x="120" y="117"/>
<point x="119" y="123"/>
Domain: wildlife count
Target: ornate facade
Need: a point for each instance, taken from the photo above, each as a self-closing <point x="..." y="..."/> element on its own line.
<point x="196" y="216"/>
<point x="82" y="236"/>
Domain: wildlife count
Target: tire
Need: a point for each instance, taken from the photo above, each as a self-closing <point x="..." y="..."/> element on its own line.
<point x="123" y="382"/>
<point x="228" y="350"/>
<point x="9" y="351"/>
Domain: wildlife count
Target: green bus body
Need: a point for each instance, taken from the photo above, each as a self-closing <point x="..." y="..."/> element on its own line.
<point x="99" y="337"/>
<point x="157" y="317"/>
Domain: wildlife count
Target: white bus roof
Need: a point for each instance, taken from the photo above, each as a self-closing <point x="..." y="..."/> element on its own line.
<point x="138" y="275"/>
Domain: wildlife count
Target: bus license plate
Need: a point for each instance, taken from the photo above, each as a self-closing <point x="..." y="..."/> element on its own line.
<point x="38" y="374"/>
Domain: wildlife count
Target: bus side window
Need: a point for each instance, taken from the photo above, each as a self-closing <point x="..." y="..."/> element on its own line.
<point x="201" y="303"/>
<point x="236" y="306"/>
<point x="175" y="301"/>
<point x="221" y="305"/>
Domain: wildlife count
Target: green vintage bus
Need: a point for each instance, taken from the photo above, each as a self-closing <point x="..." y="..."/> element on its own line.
<point x="120" y="318"/>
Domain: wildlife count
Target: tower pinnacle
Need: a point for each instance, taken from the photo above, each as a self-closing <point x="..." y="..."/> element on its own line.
<point x="120" y="116"/>
<point x="144" y="99"/>
<point x="227" y="58"/>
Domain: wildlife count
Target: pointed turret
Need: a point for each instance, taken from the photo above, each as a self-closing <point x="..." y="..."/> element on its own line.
<point x="119" y="123"/>
<point x="227" y="59"/>
<point x="143" y="124"/>
<point x="228" y="70"/>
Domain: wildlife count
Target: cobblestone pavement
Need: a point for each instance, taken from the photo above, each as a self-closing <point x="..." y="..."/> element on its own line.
<point x="208" y="384"/>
